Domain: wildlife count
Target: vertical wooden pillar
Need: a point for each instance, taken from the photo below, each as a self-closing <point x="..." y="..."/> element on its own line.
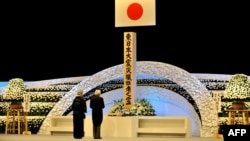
<point x="231" y="117"/>
<point x="7" y="124"/>
<point x="18" y="122"/>
<point x="129" y="69"/>
<point x="245" y="117"/>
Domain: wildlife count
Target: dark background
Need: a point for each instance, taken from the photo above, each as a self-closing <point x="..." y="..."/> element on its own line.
<point x="42" y="41"/>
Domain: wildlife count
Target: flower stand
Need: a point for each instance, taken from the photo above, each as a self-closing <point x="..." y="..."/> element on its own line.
<point x="232" y="114"/>
<point x="14" y="121"/>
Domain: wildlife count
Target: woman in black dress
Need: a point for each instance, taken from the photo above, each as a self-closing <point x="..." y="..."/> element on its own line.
<point x="97" y="105"/>
<point x="79" y="108"/>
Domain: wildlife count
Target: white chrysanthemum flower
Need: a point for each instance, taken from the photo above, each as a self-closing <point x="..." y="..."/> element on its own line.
<point x="238" y="88"/>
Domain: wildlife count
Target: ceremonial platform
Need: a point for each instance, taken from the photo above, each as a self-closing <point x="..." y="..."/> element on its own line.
<point x="70" y="138"/>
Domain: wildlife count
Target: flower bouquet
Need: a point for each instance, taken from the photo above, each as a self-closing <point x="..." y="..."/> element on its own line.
<point x="142" y="107"/>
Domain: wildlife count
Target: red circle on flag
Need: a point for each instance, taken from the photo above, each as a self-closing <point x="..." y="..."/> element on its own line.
<point x="134" y="11"/>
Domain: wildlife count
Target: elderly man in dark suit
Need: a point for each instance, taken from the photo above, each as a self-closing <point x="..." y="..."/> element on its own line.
<point x="97" y="105"/>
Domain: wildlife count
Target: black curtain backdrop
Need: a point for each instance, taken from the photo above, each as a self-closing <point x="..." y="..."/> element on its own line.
<point x="58" y="40"/>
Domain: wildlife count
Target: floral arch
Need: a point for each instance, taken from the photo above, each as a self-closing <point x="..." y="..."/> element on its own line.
<point x="190" y="83"/>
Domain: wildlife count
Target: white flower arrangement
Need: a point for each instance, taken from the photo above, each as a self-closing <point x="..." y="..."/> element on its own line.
<point x="46" y="96"/>
<point x="41" y="108"/>
<point x="14" y="90"/>
<point x="238" y="88"/>
<point x="142" y="107"/>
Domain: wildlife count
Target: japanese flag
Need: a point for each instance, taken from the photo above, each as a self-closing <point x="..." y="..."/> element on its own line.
<point x="134" y="13"/>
